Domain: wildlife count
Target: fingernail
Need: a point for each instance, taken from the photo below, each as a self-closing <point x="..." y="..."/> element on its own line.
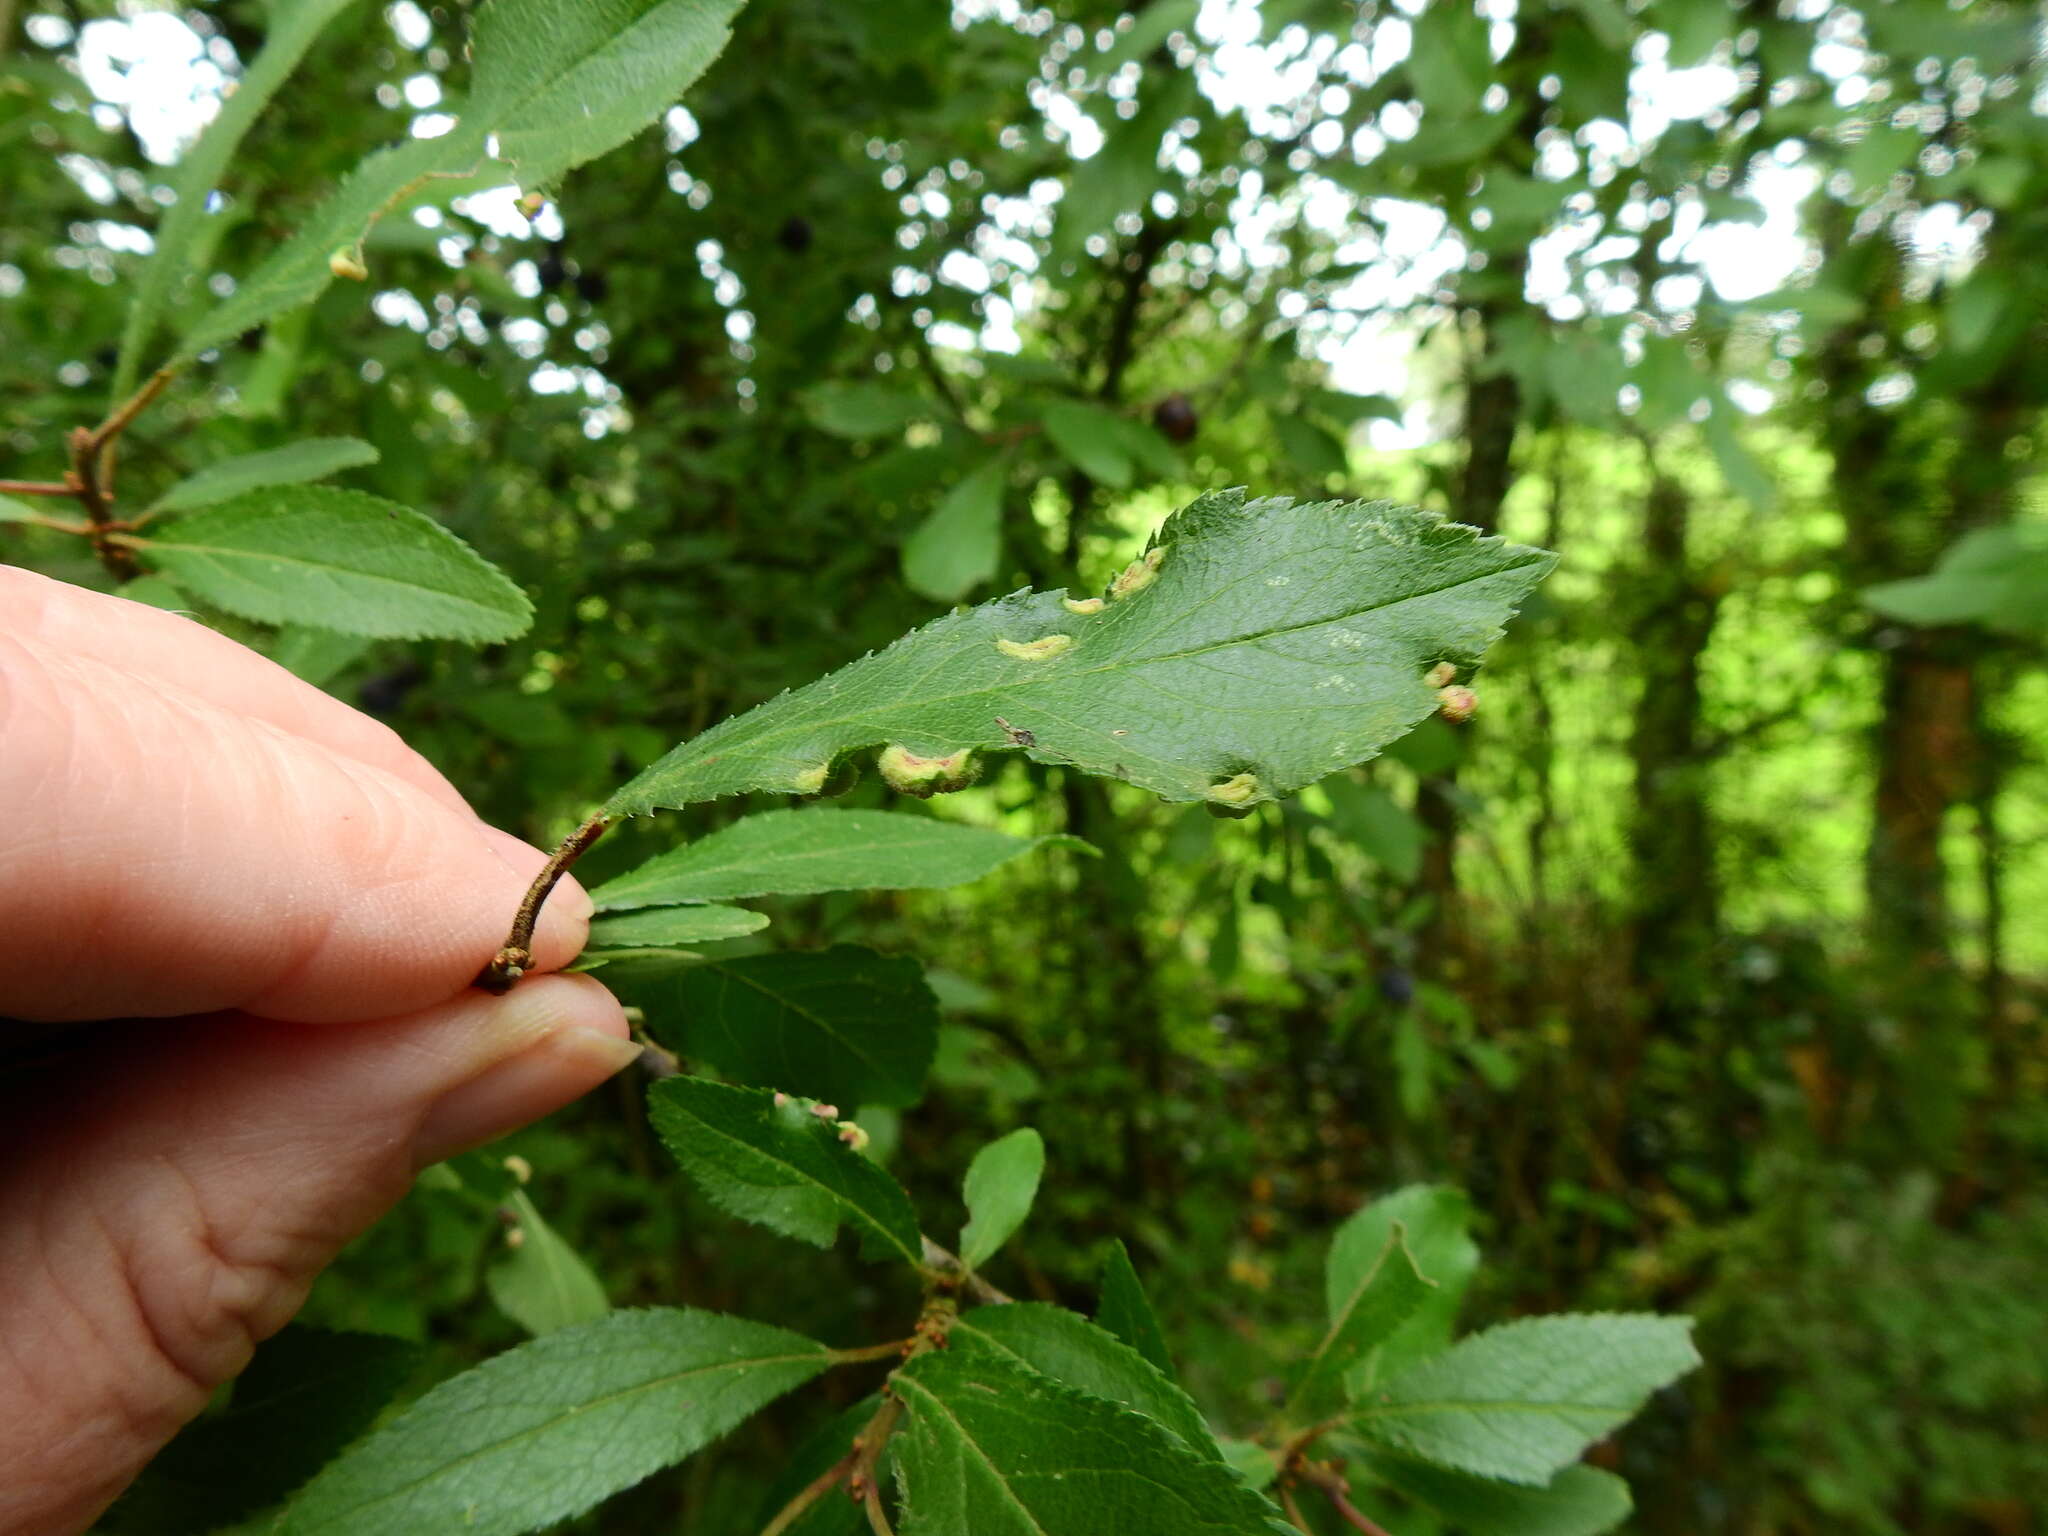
<point x="519" y="1090"/>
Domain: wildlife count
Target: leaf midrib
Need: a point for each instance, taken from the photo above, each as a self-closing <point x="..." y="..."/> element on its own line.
<point x="216" y="551"/>
<point x="807" y="726"/>
<point x="819" y="1353"/>
<point x="974" y="1445"/>
<point x="809" y="858"/>
<point x="871" y="1218"/>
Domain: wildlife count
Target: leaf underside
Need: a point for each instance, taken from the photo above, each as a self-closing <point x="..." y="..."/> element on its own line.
<point x="1276" y="643"/>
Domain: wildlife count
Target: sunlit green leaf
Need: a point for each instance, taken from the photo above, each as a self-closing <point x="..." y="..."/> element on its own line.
<point x="1002" y="1182"/>
<point x="313" y="458"/>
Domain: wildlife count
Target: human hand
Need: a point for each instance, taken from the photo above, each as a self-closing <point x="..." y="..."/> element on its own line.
<point x="283" y="906"/>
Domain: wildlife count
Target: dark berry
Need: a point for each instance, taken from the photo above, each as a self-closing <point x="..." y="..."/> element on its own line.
<point x="1175" y="417"/>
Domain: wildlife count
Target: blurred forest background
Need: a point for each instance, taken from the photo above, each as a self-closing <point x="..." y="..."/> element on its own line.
<point x="1710" y="957"/>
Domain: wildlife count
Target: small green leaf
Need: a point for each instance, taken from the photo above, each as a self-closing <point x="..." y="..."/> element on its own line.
<point x="1376" y="1303"/>
<point x="1257" y="647"/>
<point x="842" y="1024"/>
<point x="780" y="1165"/>
<point x="1372" y="821"/>
<point x="542" y="1284"/>
<point x="958" y="547"/>
<point x="1997" y="577"/>
<point x="1434" y="1221"/>
<point x="1070" y="1349"/>
<point x="864" y="410"/>
<point x="804" y="852"/>
<point x="304" y="1395"/>
<point x="543" y="1432"/>
<point x="989" y="1447"/>
<point x="346" y="561"/>
<point x="1091" y="439"/>
<point x="1126" y="1311"/>
<point x="1256" y="1466"/>
<point x="564" y="84"/>
<point x="292" y="31"/>
<point x="314" y="458"/>
<point x="668" y="927"/>
<point x="13" y="511"/>
<point x="1314" y="451"/>
<point x="1580" y="1500"/>
<point x="1002" y="1182"/>
<point x="1524" y="1400"/>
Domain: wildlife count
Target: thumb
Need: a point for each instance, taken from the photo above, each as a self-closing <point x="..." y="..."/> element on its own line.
<point x="169" y="1191"/>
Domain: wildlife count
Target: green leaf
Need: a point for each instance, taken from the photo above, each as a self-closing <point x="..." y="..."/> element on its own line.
<point x="1739" y="467"/>
<point x="1450" y="58"/>
<point x="1001" y="1184"/>
<point x="864" y="410"/>
<point x="1434" y="1221"/>
<point x="959" y="546"/>
<point x="994" y="1449"/>
<point x="1126" y="1311"/>
<point x="1315" y="452"/>
<point x="1257" y="647"/>
<point x="1091" y="439"/>
<point x="312" y="655"/>
<point x="340" y="559"/>
<point x="1254" y="1464"/>
<point x="304" y="1395"/>
<point x="780" y="1165"/>
<point x="667" y="927"/>
<point x="13" y="511"/>
<point x="1070" y="1349"/>
<point x="554" y="86"/>
<point x="1997" y="577"/>
<point x="1376" y="1302"/>
<point x="294" y="25"/>
<point x="818" y="848"/>
<point x="314" y="458"/>
<point x="843" y="1024"/>
<point x="1372" y="821"/>
<point x="543" y="1284"/>
<point x="564" y="84"/>
<point x="545" y="1431"/>
<point x="1580" y="1500"/>
<point x="1521" y="1401"/>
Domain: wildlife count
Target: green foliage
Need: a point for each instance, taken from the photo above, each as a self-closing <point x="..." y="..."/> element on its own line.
<point x="1002" y="1183"/>
<point x="817" y="849"/>
<point x="958" y="547"/>
<point x="1997" y="577"/>
<point x="1126" y="1311"/>
<point x="990" y="1447"/>
<point x="769" y="1158"/>
<point x="544" y="1431"/>
<point x="313" y="458"/>
<point x="541" y="1283"/>
<point x="1257" y="646"/>
<point x="366" y="566"/>
<point x="1524" y="1400"/>
<point x="843" y="1024"/>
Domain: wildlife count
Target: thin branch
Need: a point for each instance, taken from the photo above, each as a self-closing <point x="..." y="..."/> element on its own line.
<point x="877" y="1520"/>
<point x="895" y="1347"/>
<point x="1338" y="1491"/>
<point x="511" y="961"/>
<point x="945" y="1262"/>
<point x="37" y="488"/>
<point x="56" y="525"/>
<point x="813" y="1491"/>
<point x="1293" y="1509"/>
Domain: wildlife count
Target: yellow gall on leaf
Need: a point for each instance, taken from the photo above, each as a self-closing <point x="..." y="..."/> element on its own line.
<point x="532" y="203"/>
<point x="515" y="1237"/>
<point x="345" y="263"/>
<point x="853" y="1135"/>
<point x="825" y="1111"/>
<point x="1239" y="789"/>
<point x="1044" y="648"/>
<point x="1139" y="574"/>
<point x="811" y="780"/>
<point x="908" y="774"/>
<point x="1456" y="704"/>
<point x="1082" y="605"/>
<point x="1444" y="672"/>
<point x="519" y="1168"/>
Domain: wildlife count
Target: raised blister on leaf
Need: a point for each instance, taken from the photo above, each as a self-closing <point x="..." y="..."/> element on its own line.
<point x="1139" y="574"/>
<point x="1044" y="648"/>
<point x="1457" y="705"/>
<point x="1441" y="675"/>
<point x="346" y="263"/>
<point x="910" y="774"/>
<point x="1238" y="789"/>
<point x="1083" y="605"/>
